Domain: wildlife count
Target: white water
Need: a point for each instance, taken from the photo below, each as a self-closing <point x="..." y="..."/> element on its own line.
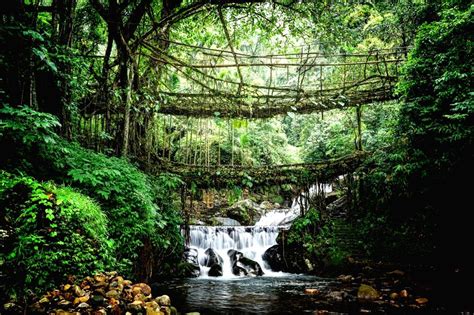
<point x="252" y="241"/>
<point x="284" y="217"/>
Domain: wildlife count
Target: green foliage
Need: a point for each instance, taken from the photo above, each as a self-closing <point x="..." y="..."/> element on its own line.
<point x="437" y="85"/>
<point x="316" y="238"/>
<point x="53" y="232"/>
<point x="27" y="126"/>
<point x="127" y="196"/>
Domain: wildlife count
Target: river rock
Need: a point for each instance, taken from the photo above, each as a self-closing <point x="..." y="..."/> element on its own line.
<point x="97" y="300"/>
<point x="345" y="278"/>
<point x="421" y="300"/>
<point x="311" y="291"/>
<point x="403" y="294"/>
<point x="135" y="306"/>
<point x="163" y="300"/>
<point x="274" y="258"/>
<point x="366" y="292"/>
<point x="191" y="266"/>
<point x="242" y="265"/>
<point x="212" y="258"/>
<point x="112" y="294"/>
<point x="393" y="296"/>
<point x="81" y="299"/>
<point x="142" y="288"/>
<point x="191" y="255"/>
<point x="215" y="271"/>
<point x="90" y="298"/>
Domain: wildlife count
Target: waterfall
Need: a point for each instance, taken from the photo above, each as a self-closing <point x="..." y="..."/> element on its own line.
<point x="284" y="217"/>
<point x="252" y="241"/>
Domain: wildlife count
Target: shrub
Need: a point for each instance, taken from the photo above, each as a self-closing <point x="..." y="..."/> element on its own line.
<point x="52" y="232"/>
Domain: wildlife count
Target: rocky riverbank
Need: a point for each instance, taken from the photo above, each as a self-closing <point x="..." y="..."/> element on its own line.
<point x="373" y="289"/>
<point x="105" y="293"/>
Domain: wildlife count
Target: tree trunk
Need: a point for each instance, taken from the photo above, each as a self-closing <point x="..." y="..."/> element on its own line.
<point x="126" y="79"/>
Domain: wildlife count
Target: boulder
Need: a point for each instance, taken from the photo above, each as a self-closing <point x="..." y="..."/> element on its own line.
<point x="292" y="260"/>
<point x="366" y="292"/>
<point x="163" y="300"/>
<point x="191" y="266"/>
<point x="244" y="211"/>
<point x="242" y="265"/>
<point x="215" y="271"/>
<point x="191" y="255"/>
<point x="212" y="258"/>
<point x="105" y="293"/>
<point x="274" y="258"/>
<point x="251" y="267"/>
<point x="142" y="288"/>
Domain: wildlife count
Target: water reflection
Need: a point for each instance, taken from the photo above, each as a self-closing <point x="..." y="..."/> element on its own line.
<point x="260" y="295"/>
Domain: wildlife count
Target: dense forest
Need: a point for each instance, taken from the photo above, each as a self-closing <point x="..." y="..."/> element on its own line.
<point x="123" y="123"/>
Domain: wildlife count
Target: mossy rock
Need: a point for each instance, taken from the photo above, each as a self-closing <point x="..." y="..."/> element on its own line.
<point x="245" y="211"/>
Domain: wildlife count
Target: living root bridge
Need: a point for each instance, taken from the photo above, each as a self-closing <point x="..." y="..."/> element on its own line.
<point x="227" y="176"/>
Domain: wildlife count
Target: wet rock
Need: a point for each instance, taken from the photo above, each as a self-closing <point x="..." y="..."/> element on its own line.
<point x="152" y="305"/>
<point x="393" y="296"/>
<point x="83" y="306"/>
<point x="142" y="288"/>
<point x="81" y="299"/>
<point x="403" y="294"/>
<point x="166" y="310"/>
<point x="274" y="258"/>
<point x="244" y="211"/>
<point x="191" y="266"/>
<point x="345" y="278"/>
<point x="366" y="292"/>
<point x="241" y="264"/>
<point x="64" y="303"/>
<point x="421" y="300"/>
<point x="90" y="297"/>
<point x="311" y="291"/>
<point x="112" y="294"/>
<point x="97" y="300"/>
<point x="78" y="291"/>
<point x="396" y="272"/>
<point x="212" y="258"/>
<point x="191" y="255"/>
<point x="251" y="267"/>
<point x="163" y="300"/>
<point x="215" y="271"/>
<point x="135" y="306"/>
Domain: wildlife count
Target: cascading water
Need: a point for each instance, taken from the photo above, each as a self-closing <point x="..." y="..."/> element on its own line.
<point x="251" y="241"/>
